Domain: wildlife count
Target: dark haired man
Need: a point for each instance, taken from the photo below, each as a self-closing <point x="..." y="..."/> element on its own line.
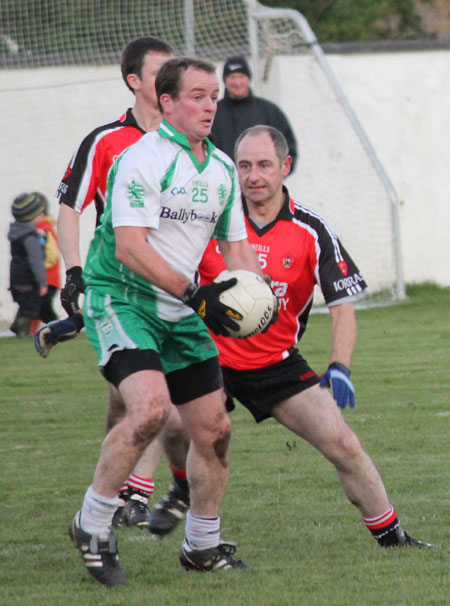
<point x="167" y="196"/>
<point x="84" y="181"/>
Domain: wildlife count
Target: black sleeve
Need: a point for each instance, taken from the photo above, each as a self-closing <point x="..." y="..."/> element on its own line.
<point x="336" y="273"/>
<point x="340" y="278"/>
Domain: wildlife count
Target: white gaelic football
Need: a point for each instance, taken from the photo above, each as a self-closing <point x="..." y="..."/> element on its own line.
<point x="252" y="297"/>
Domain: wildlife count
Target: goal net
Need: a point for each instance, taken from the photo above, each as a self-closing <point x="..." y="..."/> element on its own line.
<point x="60" y="78"/>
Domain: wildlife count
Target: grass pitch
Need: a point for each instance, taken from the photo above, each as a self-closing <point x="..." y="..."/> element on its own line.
<point x="306" y="544"/>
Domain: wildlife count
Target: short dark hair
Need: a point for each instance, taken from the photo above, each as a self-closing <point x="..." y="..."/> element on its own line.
<point x="169" y="75"/>
<point x="134" y="53"/>
<point x="278" y="139"/>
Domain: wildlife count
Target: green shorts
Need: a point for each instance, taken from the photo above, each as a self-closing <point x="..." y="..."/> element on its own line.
<point x="113" y="325"/>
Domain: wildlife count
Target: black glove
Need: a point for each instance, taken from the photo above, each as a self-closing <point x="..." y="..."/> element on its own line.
<point x="72" y="289"/>
<point x="276" y="304"/>
<point x="204" y="300"/>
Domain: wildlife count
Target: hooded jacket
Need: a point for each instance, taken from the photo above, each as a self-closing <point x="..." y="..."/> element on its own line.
<point x="27" y="266"/>
<point x="235" y="115"/>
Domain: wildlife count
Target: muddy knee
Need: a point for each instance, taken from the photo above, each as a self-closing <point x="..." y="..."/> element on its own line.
<point x="147" y="429"/>
<point x="222" y="441"/>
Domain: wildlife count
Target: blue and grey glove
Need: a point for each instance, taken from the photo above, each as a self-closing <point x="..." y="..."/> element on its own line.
<point x="56" y="332"/>
<point x="338" y="378"/>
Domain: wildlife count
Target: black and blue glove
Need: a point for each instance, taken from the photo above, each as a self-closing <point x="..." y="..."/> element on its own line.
<point x="338" y="378"/>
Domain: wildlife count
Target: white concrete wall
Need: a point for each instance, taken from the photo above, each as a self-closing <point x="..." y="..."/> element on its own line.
<point x="401" y="99"/>
<point x="46" y="113"/>
<point x="403" y="102"/>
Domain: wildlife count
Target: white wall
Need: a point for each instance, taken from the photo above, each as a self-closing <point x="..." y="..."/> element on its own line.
<point x="403" y="102"/>
<point x="45" y="114"/>
<point x="401" y="99"/>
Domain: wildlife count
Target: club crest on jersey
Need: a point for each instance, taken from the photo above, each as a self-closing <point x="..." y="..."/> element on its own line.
<point x="136" y="193"/>
<point x="343" y="267"/>
<point x="222" y="194"/>
<point x="286" y="262"/>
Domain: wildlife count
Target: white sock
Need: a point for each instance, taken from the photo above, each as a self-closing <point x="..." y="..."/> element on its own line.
<point x="202" y="533"/>
<point x="97" y="512"/>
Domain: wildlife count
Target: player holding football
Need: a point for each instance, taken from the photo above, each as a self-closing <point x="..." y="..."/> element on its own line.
<point x="84" y="183"/>
<point x="265" y="372"/>
<point x="168" y="194"/>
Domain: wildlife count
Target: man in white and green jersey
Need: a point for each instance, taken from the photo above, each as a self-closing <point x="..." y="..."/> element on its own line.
<point x="169" y="194"/>
<point x="160" y="184"/>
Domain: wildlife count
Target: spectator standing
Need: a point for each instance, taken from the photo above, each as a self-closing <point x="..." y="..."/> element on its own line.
<point x="28" y="278"/>
<point x="240" y="109"/>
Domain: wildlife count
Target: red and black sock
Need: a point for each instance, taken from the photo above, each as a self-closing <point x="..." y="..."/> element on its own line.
<point x="141" y="487"/>
<point x="384" y="528"/>
<point x="180" y="478"/>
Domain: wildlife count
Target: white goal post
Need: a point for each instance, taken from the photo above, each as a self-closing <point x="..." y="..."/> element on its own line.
<point x="339" y="172"/>
<point x="60" y="77"/>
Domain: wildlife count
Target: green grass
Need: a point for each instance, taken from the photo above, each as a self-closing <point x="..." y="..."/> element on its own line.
<point x="284" y="506"/>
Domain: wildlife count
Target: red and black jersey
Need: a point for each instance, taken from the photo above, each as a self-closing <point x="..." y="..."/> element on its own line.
<point x="86" y="176"/>
<point x="298" y="250"/>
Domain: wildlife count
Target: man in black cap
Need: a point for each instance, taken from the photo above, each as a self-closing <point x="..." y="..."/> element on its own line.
<point x="240" y="109"/>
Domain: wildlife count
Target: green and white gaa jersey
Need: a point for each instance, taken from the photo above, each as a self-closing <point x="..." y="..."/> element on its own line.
<point x="158" y="183"/>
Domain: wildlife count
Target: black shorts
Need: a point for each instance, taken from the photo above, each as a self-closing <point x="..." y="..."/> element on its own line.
<point x="261" y="389"/>
<point x="184" y="385"/>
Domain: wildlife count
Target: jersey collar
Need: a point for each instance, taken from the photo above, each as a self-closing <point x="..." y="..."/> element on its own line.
<point x="128" y="119"/>
<point x="167" y="131"/>
<point x="286" y="211"/>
